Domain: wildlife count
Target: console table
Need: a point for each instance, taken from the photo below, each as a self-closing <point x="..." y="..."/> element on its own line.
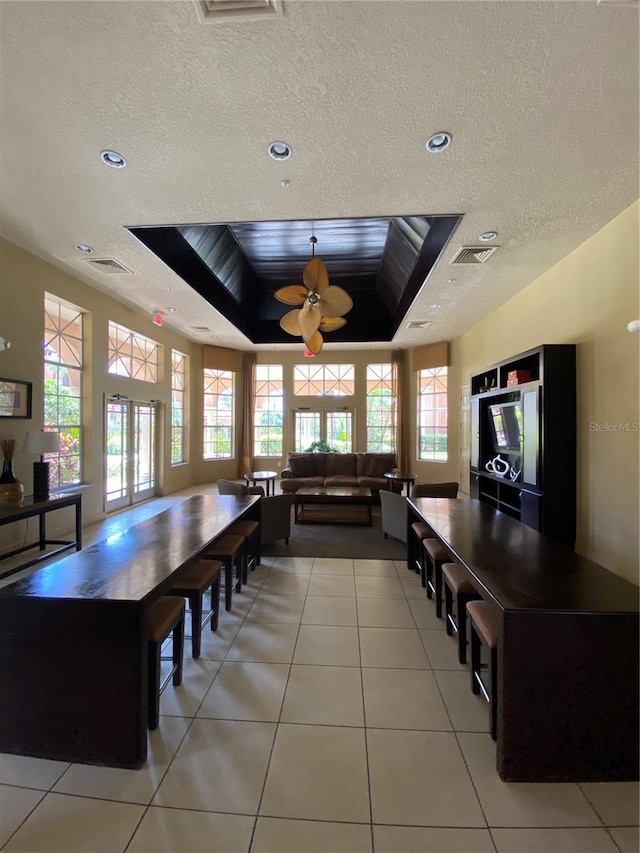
<point x="568" y="653"/>
<point x="73" y="636"/>
<point x="30" y="508"/>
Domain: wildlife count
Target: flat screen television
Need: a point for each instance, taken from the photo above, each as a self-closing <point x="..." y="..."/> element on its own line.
<point x="506" y="423"/>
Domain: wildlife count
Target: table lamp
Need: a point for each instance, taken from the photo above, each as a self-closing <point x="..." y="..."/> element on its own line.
<point x="40" y="442"/>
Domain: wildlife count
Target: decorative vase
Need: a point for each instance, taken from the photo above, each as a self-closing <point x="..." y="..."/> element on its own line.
<point x="11" y="489"/>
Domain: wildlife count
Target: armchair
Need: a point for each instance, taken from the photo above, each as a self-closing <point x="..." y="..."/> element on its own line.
<point x="275" y="510"/>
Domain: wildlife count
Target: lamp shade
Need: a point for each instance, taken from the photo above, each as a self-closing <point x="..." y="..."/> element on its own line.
<point x="38" y="441"/>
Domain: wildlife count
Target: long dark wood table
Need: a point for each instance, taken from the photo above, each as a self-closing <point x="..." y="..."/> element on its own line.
<point x="73" y="649"/>
<point x="568" y="658"/>
<point x="30" y="508"/>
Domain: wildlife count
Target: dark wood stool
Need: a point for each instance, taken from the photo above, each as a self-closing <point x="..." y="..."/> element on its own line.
<point x="485" y="631"/>
<point x="229" y="549"/>
<point x="251" y="532"/>
<point x="165" y="615"/>
<point x="419" y="531"/>
<point x="192" y="585"/>
<point x="434" y="556"/>
<point x="457" y="581"/>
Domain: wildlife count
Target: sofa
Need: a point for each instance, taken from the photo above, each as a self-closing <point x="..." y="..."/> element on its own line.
<point x="326" y="470"/>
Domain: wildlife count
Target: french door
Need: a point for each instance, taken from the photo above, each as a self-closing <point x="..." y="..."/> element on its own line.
<point x="131" y="452"/>
<point x="333" y="426"/>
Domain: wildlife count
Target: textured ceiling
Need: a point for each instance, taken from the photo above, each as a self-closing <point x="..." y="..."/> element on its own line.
<point x="541" y="100"/>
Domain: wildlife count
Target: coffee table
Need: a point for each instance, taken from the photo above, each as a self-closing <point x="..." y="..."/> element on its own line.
<point x="338" y="505"/>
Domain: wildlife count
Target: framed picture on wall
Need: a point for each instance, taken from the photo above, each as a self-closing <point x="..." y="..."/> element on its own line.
<point x="15" y="398"/>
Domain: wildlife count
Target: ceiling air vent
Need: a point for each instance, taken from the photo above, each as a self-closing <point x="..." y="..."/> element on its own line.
<point x="473" y="254"/>
<point x="418" y="324"/>
<point x="212" y="11"/>
<point x="205" y="330"/>
<point x="108" y="265"/>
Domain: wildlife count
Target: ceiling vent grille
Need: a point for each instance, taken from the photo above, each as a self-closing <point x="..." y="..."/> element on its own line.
<point x="212" y="11"/>
<point x="473" y="254"/>
<point x="203" y="329"/>
<point x="418" y="324"/>
<point x="108" y="265"/>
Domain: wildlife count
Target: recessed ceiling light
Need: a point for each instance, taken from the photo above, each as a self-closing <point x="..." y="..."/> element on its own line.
<point x="83" y="249"/>
<point x="171" y="309"/>
<point x="438" y="142"/>
<point x="435" y="306"/>
<point x="487" y="236"/>
<point x="280" y="150"/>
<point x="285" y="185"/>
<point x="113" y="159"/>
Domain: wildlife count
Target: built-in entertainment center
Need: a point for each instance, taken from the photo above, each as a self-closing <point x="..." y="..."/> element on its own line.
<point x="523" y="439"/>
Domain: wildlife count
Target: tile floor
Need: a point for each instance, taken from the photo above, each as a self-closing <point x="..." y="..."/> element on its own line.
<point x="328" y="713"/>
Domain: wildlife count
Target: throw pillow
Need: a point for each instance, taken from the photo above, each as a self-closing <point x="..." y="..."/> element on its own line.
<point x="302" y="465"/>
<point x="378" y="464"/>
<point x="340" y="463"/>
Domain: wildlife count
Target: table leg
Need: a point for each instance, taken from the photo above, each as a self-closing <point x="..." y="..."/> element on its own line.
<point x="42" y="531"/>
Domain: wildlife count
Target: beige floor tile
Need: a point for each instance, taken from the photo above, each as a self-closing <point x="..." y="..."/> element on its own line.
<point x="375" y="568"/>
<point x="415" y="839"/>
<point x="275" y="835"/>
<point x="220" y="766"/>
<point x="627" y="838"/>
<point x="264" y="642"/>
<point x="198" y="675"/>
<point x="171" y="830"/>
<point x="384" y="613"/>
<point x="441" y="649"/>
<point x="553" y="841"/>
<point x="30" y="772"/>
<point x="246" y="691"/>
<point x="378" y="587"/>
<point x="270" y="607"/>
<point x="469" y="712"/>
<point x="332" y="585"/>
<point x="296" y="565"/>
<point x="324" y="695"/>
<point x="332" y="566"/>
<point x="518" y="804"/>
<point x="16" y="804"/>
<point x="63" y="824"/>
<point x="424" y="613"/>
<point x="419" y="779"/>
<point x="421" y="706"/>
<point x="617" y="803"/>
<point x="128" y="786"/>
<point x="286" y="583"/>
<point x="333" y="645"/>
<point x="413" y="588"/>
<point x="240" y="605"/>
<point x="329" y="610"/>
<point x="216" y="644"/>
<point x="401" y="568"/>
<point x="397" y="648"/>
<point x="319" y="773"/>
<point x="258" y="577"/>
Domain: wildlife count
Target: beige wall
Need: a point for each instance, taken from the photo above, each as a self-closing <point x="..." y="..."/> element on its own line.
<point x="586" y="299"/>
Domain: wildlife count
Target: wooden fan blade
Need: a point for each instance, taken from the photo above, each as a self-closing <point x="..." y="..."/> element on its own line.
<point x="314" y="343"/>
<point x="330" y="324"/>
<point x="291" y="322"/>
<point x="309" y="319"/>
<point x="335" y="302"/>
<point x="292" y="294"/>
<point x="315" y="276"/>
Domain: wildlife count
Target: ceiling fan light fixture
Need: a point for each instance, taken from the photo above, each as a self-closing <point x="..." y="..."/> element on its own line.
<point x="280" y="150"/>
<point x="438" y="142"/>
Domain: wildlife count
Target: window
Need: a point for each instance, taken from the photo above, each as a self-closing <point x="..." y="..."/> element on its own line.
<point x="179" y="407"/>
<point x="218" y="414"/>
<point x="63" y="389"/>
<point x="268" y="410"/>
<point x="131" y="354"/>
<point x="381" y="405"/>
<point x="323" y="380"/>
<point x="432" y="414"/>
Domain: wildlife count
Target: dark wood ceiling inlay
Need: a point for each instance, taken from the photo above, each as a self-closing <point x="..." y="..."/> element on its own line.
<point x="381" y="262"/>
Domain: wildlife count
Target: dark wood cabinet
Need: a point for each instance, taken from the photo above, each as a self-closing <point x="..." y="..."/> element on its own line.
<point x="523" y="439"/>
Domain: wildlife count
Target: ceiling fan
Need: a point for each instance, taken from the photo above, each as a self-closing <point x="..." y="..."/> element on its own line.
<point x="323" y="304"/>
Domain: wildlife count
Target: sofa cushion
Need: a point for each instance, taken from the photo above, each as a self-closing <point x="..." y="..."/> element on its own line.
<point x="340" y="480"/>
<point x="377" y="464"/>
<point x="302" y="465"/>
<point x="340" y="464"/>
